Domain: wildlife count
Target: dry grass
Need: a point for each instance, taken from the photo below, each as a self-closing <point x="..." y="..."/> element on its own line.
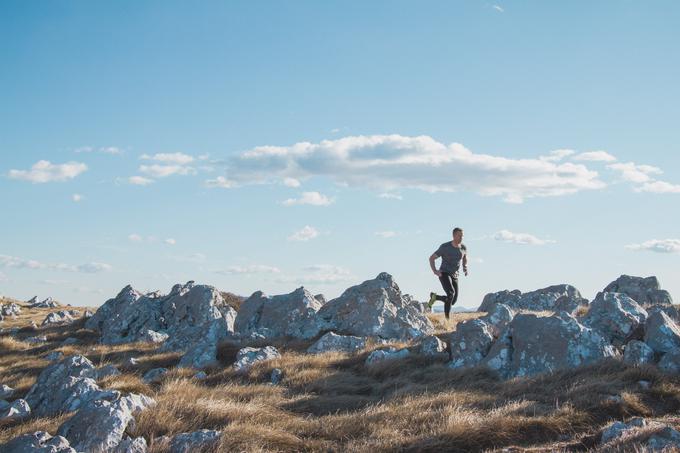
<point x="332" y="402"/>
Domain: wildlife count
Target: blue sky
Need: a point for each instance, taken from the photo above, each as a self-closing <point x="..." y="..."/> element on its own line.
<point x="268" y="145"/>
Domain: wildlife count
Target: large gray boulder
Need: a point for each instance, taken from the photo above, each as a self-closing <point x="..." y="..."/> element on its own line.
<point x="375" y="308"/>
<point x="100" y="425"/>
<point x="247" y="357"/>
<point x="66" y="386"/>
<point x="638" y="353"/>
<point x="17" y="410"/>
<point x="284" y="315"/>
<point x="644" y="290"/>
<point x="337" y="343"/>
<point x="37" y="442"/>
<point x="533" y="345"/>
<point x="662" y="334"/>
<point x="498" y="318"/>
<point x="615" y="316"/>
<point x="188" y="442"/>
<point x="670" y="362"/>
<point x="191" y="315"/>
<point x="470" y="342"/>
<point x="537" y="300"/>
<point x="10" y="309"/>
<point x="45" y="303"/>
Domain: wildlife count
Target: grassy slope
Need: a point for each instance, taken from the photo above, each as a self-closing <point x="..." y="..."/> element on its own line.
<point x="332" y="402"/>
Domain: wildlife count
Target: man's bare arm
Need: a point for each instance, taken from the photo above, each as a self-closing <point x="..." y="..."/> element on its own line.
<point x="465" y="263"/>
<point x="433" y="257"/>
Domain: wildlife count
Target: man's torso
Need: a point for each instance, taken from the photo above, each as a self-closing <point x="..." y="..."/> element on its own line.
<point x="451" y="257"/>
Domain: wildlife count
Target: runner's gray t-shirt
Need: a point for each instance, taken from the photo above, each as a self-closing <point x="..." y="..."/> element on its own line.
<point x="451" y="257"/>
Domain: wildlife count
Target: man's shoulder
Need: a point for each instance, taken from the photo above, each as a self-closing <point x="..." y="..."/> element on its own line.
<point x="462" y="246"/>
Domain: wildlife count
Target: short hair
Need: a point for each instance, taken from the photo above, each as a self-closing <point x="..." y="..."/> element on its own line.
<point x="457" y="229"/>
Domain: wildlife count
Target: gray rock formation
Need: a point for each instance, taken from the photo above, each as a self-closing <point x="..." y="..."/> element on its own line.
<point x="670" y="362"/>
<point x="619" y="429"/>
<point x="46" y="303"/>
<point x="189" y="442"/>
<point x="285" y="315"/>
<point x="6" y="391"/>
<point x="17" y="410"/>
<point x="247" y="357"/>
<point x="538" y="300"/>
<point x="37" y="442"/>
<point x="375" y="308"/>
<point x="57" y="317"/>
<point x="470" y="342"/>
<point x="614" y="316"/>
<point x="385" y="355"/>
<point x="193" y="316"/>
<point x="154" y="375"/>
<point x="338" y="343"/>
<point x="65" y="386"/>
<point x="276" y="376"/>
<point x="638" y="353"/>
<point x="100" y="425"/>
<point x="10" y="309"/>
<point x="432" y="346"/>
<point x="662" y="334"/>
<point x="498" y="318"/>
<point x="645" y="291"/>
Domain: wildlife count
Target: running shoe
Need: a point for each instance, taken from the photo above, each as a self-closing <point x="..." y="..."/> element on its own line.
<point x="433" y="299"/>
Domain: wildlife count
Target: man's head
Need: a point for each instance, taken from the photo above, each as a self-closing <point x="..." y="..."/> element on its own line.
<point x="458" y="234"/>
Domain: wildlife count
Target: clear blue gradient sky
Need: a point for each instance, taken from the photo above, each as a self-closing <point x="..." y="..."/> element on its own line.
<point x="268" y="145"/>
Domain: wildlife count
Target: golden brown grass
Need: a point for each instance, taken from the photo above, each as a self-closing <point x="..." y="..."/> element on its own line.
<point x="332" y="402"/>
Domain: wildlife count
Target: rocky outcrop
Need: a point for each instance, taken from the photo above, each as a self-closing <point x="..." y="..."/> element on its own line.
<point x="615" y="316"/>
<point x="45" y="303"/>
<point x="638" y="353"/>
<point x="645" y="291"/>
<point x="60" y="317"/>
<point x="386" y="355"/>
<point x="538" y="300"/>
<point x="375" y="308"/>
<point x="192" y="316"/>
<point x="337" y="343"/>
<point x="247" y="357"/>
<point x="432" y="346"/>
<point x="37" y="442"/>
<point x="285" y="315"/>
<point x="470" y="342"/>
<point x="10" y="309"/>
<point x="188" y="442"/>
<point x="17" y="410"/>
<point x="662" y="334"/>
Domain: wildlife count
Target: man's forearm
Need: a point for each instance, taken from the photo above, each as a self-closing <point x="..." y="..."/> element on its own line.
<point x="432" y="266"/>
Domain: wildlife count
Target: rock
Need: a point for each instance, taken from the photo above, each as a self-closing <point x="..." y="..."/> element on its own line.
<point x="3" y="405"/>
<point x="338" y="343"/>
<point x="154" y="375"/>
<point x="152" y="336"/>
<point x="470" y="342"/>
<point x="247" y="357"/>
<point x="188" y="442"/>
<point x="37" y="442"/>
<point x="498" y="318"/>
<point x="645" y="291"/>
<point x="54" y="355"/>
<point x="538" y="300"/>
<point x="17" y="410"/>
<point x="276" y="376"/>
<point x="46" y="303"/>
<point x="57" y="317"/>
<point x="432" y="346"/>
<point x="136" y="445"/>
<point x="65" y="386"/>
<point x="638" y="353"/>
<point x="662" y="334"/>
<point x="285" y="315"/>
<point x="666" y="438"/>
<point x="645" y="384"/>
<point x="100" y="425"/>
<point x="614" y="316"/>
<point x="375" y="308"/>
<point x="69" y="341"/>
<point x="192" y="315"/>
<point x="89" y="314"/>
<point x="36" y="339"/>
<point x="131" y="362"/>
<point x="6" y="391"/>
<point x="532" y="345"/>
<point x="203" y="353"/>
<point x="619" y="429"/>
<point x="670" y="362"/>
<point x="200" y="375"/>
<point x="11" y="309"/>
<point x="570" y="304"/>
<point x="105" y="371"/>
<point x="384" y="355"/>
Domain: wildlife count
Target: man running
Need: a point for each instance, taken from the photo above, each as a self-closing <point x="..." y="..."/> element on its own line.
<point x="451" y="253"/>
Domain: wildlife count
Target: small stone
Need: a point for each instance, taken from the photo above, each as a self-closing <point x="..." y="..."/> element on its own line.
<point x="154" y="375"/>
<point x="276" y="376"/>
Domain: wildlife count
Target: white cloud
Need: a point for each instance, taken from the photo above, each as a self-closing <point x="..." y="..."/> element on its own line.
<point x="595" y="156"/>
<point x="8" y="261"/>
<point x="162" y="171"/>
<point x="175" y="158"/>
<point x="519" y="238"/>
<point x="104" y="149"/>
<point x="319" y="274"/>
<point x="391" y="162"/>
<point x="633" y="172"/>
<point x="311" y="198"/>
<point x="44" y="171"/>
<point x="658" y="187"/>
<point x="170" y="241"/>
<point x="250" y="269"/>
<point x="140" y="180"/>
<point x="291" y="182"/>
<point x="135" y="237"/>
<point x="220" y="182"/>
<point x="658" y="245"/>
<point x="498" y="8"/>
<point x="392" y="196"/>
<point x="76" y="197"/>
<point x="305" y="234"/>
<point x="386" y="234"/>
